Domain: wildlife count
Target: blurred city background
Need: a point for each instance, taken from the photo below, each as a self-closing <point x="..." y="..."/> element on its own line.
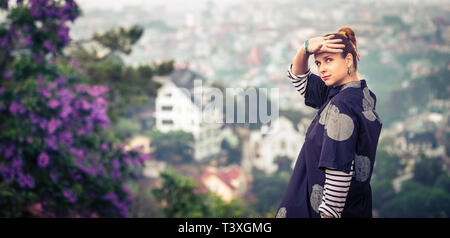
<point x="97" y="118"/>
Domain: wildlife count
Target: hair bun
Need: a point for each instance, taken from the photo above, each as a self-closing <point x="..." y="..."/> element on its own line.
<point x="350" y="34"/>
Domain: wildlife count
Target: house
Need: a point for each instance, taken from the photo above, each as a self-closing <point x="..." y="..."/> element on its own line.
<point x="179" y="107"/>
<point x="229" y="182"/>
<point x="280" y="139"/>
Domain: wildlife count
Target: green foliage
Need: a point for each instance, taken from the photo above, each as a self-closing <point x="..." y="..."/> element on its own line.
<point x="386" y="165"/>
<point x="269" y="190"/>
<point x="173" y="147"/>
<point x="179" y="200"/>
<point x="427" y="170"/>
<point x="130" y="87"/>
<point x="426" y="195"/>
<point x="417" y="200"/>
<point x="233" y="153"/>
<point x="121" y="39"/>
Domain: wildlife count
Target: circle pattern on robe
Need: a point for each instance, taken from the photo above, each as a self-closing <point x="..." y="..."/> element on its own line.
<point x="282" y="212"/>
<point x="368" y="104"/>
<point x="338" y="126"/>
<point x="316" y="197"/>
<point x="362" y="168"/>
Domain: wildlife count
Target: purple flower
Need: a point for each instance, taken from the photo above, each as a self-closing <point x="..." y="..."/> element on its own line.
<point x="53" y="125"/>
<point x="14" y="108"/>
<point x="37" y="58"/>
<point x="137" y="162"/>
<point x="61" y="80"/>
<point x="66" y="138"/>
<point x="65" y="112"/>
<point x="70" y="196"/>
<point x="104" y="147"/>
<point x="9" y="151"/>
<point x="8" y="74"/>
<point x="80" y="88"/>
<point x="49" y="46"/>
<point x="144" y="157"/>
<point x="96" y="91"/>
<point x="44" y="91"/>
<point x="1" y="90"/>
<point x="26" y="28"/>
<point x="54" y="176"/>
<point x="115" y="174"/>
<point x="43" y="124"/>
<point x="53" y="104"/>
<point x="4" y="41"/>
<point x="78" y="154"/>
<point x="52" y="86"/>
<point x="6" y="172"/>
<point x="65" y="96"/>
<point x="63" y="35"/>
<point x="111" y="197"/>
<point x="43" y="160"/>
<point x="127" y="160"/>
<point x="30" y="181"/>
<point x="27" y="41"/>
<point x="25" y="180"/>
<point x="40" y="80"/>
<point x="16" y="163"/>
<point x="30" y="140"/>
<point x="51" y="142"/>
<point x="85" y="105"/>
<point x="115" y="164"/>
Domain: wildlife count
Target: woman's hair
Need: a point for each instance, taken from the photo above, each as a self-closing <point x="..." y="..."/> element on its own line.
<point x="349" y="39"/>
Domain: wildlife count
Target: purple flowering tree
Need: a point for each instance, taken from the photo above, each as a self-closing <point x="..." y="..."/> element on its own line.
<point x="56" y="156"/>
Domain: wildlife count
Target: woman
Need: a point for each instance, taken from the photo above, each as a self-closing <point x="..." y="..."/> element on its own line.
<point x="332" y="174"/>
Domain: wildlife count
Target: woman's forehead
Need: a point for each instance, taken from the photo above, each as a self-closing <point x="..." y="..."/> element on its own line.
<point x="323" y="55"/>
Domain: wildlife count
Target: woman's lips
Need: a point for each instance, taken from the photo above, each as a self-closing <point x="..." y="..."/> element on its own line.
<point x="325" y="77"/>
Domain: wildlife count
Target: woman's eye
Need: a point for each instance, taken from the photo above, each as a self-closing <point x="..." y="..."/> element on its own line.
<point x="328" y="60"/>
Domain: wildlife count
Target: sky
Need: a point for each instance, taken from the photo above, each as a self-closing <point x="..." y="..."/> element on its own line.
<point x="176" y="5"/>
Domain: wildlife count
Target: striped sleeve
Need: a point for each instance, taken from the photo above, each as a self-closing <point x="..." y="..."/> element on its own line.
<point x="337" y="184"/>
<point x="299" y="81"/>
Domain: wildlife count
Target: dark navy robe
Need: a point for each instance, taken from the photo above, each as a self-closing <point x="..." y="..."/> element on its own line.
<point x="345" y="128"/>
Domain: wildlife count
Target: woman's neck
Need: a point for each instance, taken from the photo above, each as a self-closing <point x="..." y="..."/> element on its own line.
<point x="348" y="79"/>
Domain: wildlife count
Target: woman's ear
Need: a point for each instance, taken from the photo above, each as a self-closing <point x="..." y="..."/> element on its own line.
<point x="349" y="60"/>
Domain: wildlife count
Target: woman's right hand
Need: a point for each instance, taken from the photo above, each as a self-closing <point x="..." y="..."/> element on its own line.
<point x="322" y="44"/>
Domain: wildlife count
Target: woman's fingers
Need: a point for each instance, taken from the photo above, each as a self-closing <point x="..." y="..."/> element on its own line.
<point x="336" y="46"/>
<point x="331" y="50"/>
<point x="334" y="40"/>
<point x="328" y="37"/>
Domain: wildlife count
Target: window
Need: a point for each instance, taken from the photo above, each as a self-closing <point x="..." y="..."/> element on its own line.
<point x="167" y="122"/>
<point x="166" y="108"/>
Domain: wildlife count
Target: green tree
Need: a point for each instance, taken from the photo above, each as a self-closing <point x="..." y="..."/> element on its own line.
<point x="387" y="165"/>
<point x="268" y="189"/>
<point x="179" y="199"/>
<point x="427" y="170"/>
<point x="130" y="87"/>
<point x="56" y="156"/>
<point x="173" y="147"/>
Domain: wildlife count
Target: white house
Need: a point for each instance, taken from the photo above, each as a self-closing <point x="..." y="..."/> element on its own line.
<point x="281" y="139"/>
<point x="175" y="109"/>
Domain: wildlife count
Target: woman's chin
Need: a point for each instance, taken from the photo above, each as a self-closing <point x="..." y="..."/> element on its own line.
<point x="327" y="82"/>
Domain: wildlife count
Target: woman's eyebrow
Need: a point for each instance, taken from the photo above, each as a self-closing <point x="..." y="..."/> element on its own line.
<point x="326" y="56"/>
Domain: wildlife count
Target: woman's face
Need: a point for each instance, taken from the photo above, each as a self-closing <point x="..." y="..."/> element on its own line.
<point x="332" y="67"/>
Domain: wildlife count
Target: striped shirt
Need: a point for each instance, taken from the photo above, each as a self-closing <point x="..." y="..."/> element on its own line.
<point x="337" y="184"/>
<point x="299" y="81"/>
